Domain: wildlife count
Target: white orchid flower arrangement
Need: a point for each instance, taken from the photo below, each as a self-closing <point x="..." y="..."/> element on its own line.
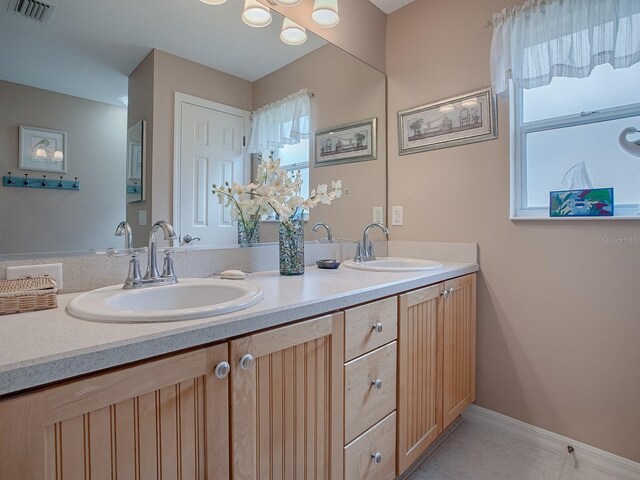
<point x="275" y="190"/>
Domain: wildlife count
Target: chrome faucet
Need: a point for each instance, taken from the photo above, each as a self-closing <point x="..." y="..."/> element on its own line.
<point x="124" y="229"/>
<point x="152" y="277"/>
<point x="327" y="227"/>
<point x="364" y="250"/>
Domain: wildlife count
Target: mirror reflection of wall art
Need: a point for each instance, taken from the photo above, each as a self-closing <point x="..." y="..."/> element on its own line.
<point x="135" y="161"/>
<point x="43" y="150"/>
<point x="459" y="120"/>
<point x="353" y="142"/>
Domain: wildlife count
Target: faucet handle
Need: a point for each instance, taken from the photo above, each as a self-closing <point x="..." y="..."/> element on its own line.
<point x="369" y="253"/>
<point x="134" y="277"/>
<point x="359" y="256"/>
<point x="167" y="269"/>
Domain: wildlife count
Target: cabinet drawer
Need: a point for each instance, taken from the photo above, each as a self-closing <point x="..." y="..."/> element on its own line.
<point x="361" y="336"/>
<point x="365" y="404"/>
<point x="359" y="455"/>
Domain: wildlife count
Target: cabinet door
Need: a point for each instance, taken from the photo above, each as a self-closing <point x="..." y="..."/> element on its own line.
<point x="286" y="402"/>
<point x="419" y="373"/>
<point x="459" y="388"/>
<point x="164" y="419"/>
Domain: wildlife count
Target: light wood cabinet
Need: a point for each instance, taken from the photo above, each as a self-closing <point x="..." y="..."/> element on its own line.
<point x="436" y="362"/>
<point x="286" y="401"/>
<point x="166" y="418"/>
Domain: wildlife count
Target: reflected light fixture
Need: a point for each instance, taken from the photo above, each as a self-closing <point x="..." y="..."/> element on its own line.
<point x="213" y="2"/>
<point x="325" y="13"/>
<point x="256" y="14"/>
<point x="288" y="3"/>
<point x="472" y="102"/>
<point x="446" y="108"/>
<point x="292" y="33"/>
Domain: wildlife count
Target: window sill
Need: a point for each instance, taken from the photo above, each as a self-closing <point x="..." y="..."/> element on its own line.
<point x="553" y="219"/>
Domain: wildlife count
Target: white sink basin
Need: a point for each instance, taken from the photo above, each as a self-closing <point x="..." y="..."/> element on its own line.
<point x="391" y="264"/>
<point x="189" y="299"/>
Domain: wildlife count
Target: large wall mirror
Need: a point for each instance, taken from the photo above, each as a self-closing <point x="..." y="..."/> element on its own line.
<point x="95" y="70"/>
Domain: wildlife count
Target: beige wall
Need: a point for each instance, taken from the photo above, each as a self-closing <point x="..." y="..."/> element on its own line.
<point x="141" y="108"/>
<point x="34" y="220"/>
<point x="559" y="307"/>
<point x="361" y="30"/>
<point x="356" y="93"/>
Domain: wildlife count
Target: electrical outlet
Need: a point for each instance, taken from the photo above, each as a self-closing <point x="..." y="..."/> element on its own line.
<point x="378" y="214"/>
<point x="54" y="270"/>
<point x="396" y="216"/>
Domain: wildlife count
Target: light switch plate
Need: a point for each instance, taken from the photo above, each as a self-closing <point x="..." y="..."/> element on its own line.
<point x="378" y="214"/>
<point x="396" y="216"/>
<point x="142" y="217"/>
<point x="54" y="270"/>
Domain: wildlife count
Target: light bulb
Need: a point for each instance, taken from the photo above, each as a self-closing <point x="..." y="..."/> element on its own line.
<point x="288" y="3"/>
<point x="213" y="2"/>
<point x="325" y="13"/>
<point x="255" y="14"/>
<point x="292" y="33"/>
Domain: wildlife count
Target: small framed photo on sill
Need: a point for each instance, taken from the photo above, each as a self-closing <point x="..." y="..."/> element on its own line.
<point x="42" y="149"/>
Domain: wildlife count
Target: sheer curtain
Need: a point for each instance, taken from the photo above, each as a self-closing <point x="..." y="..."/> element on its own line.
<point x="543" y="39"/>
<point x="285" y="122"/>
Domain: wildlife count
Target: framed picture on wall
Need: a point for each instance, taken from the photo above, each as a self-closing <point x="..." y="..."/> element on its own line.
<point x="42" y="149"/>
<point x="352" y="142"/>
<point x="458" y="120"/>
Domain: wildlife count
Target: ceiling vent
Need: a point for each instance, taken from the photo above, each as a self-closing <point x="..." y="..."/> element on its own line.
<point x="33" y="9"/>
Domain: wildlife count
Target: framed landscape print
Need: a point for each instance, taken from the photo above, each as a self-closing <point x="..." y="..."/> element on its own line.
<point x="353" y="142"/>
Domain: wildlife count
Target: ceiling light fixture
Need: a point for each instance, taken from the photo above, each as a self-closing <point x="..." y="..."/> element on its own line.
<point x="292" y="33"/>
<point x="213" y="2"/>
<point x="325" y="13"/>
<point x="256" y="14"/>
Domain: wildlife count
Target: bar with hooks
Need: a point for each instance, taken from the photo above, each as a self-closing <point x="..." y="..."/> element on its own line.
<point x="26" y="182"/>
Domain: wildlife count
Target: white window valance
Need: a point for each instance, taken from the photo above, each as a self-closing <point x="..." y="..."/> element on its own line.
<point x="284" y="122"/>
<point x="543" y="39"/>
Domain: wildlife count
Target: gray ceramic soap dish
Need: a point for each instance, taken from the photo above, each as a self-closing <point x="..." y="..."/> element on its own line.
<point x="328" y="263"/>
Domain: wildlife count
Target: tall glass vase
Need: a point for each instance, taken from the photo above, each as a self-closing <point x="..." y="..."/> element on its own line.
<point x="291" y="235"/>
<point x="248" y="232"/>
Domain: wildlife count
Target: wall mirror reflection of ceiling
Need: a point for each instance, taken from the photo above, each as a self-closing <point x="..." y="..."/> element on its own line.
<point x="93" y="69"/>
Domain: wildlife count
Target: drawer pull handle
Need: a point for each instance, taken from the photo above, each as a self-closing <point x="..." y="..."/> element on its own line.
<point x="377" y="327"/>
<point x="222" y="369"/>
<point x="246" y="362"/>
<point x="377" y="384"/>
<point x="377" y="457"/>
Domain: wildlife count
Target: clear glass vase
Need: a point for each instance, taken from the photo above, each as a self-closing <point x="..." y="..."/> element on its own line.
<point x="248" y="232"/>
<point x="291" y="236"/>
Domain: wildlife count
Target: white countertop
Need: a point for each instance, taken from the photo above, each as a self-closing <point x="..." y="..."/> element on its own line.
<point x="47" y="346"/>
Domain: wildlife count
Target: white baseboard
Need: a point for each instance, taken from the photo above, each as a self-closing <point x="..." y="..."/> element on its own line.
<point x="609" y="463"/>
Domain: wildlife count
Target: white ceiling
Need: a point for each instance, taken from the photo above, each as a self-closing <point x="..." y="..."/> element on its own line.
<point x="388" y="6"/>
<point x="90" y="47"/>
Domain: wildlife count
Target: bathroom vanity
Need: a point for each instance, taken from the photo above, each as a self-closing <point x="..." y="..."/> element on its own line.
<point x="335" y="374"/>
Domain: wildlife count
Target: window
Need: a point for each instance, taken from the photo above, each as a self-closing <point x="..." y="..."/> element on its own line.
<point x="570" y="121"/>
<point x="296" y="157"/>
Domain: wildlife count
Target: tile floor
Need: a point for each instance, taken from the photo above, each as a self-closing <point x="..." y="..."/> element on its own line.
<point x="479" y="452"/>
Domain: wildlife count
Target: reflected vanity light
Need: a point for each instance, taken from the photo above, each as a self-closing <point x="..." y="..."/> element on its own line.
<point x="473" y="102"/>
<point x="292" y="33"/>
<point x="325" y="13"/>
<point x="255" y="14"/>
<point x="446" y="109"/>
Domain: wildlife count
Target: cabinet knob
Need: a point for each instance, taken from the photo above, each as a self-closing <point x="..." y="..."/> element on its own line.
<point x="377" y="384"/>
<point x="377" y="457"/>
<point x="246" y="362"/>
<point x="222" y="369"/>
<point x="451" y="291"/>
<point x="445" y="294"/>
<point x="377" y="327"/>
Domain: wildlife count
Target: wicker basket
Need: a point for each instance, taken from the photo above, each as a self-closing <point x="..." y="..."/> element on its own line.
<point x="27" y="295"/>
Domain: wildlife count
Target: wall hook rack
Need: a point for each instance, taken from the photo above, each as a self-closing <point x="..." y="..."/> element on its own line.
<point x="9" y="181"/>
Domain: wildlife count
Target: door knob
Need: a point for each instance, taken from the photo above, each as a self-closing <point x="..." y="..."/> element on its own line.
<point x="222" y="369"/>
<point x="246" y="362"/>
<point x="188" y="239"/>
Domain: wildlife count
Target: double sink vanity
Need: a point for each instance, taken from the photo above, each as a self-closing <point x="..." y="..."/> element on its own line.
<point x="341" y="374"/>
